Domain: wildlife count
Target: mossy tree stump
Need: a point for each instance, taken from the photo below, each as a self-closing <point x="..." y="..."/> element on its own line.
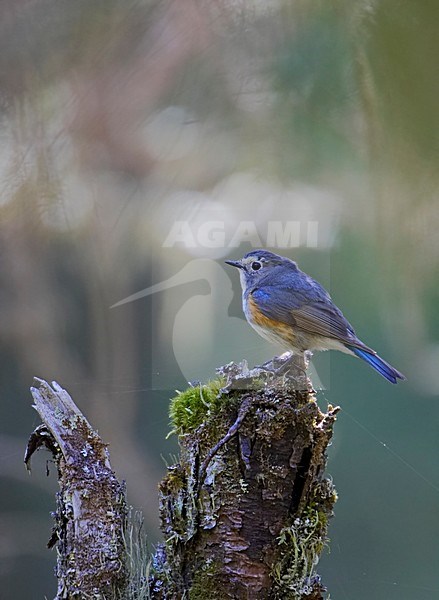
<point x="246" y="517"/>
<point x="244" y="513"/>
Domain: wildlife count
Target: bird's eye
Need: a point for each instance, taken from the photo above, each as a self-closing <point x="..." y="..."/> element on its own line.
<point x="256" y="265"/>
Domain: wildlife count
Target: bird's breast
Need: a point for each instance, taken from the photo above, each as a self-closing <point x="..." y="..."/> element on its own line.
<point x="271" y="329"/>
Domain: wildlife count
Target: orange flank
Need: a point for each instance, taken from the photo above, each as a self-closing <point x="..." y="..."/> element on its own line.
<point x="270" y="328"/>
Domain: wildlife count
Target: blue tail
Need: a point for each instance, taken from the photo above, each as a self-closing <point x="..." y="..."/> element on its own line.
<point x="378" y="364"/>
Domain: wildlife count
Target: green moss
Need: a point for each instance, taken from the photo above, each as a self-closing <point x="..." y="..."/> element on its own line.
<point x="174" y="480"/>
<point x="196" y="404"/>
<point x="205" y="586"/>
<point x="300" y="545"/>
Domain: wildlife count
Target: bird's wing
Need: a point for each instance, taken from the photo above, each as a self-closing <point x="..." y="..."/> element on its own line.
<point x="317" y="315"/>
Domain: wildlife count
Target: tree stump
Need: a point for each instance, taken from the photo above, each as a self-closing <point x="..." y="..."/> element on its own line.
<point x="91" y="509"/>
<point x="245" y="510"/>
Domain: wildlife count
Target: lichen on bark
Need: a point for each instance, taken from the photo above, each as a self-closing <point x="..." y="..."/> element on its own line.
<point x="91" y="511"/>
<point x="245" y="511"/>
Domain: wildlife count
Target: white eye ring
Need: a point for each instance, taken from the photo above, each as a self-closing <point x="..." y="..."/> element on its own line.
<point x="256" y="265"/>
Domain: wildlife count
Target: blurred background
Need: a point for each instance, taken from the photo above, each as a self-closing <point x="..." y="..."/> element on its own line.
<point x="143" y="142"/>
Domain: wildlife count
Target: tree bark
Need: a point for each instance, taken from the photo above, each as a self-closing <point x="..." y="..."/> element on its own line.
<point x="91" y="509"/>
<point x="245" y="511"/>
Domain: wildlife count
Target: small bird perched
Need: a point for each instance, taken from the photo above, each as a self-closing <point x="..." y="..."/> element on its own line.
<point x="285" y="305"/>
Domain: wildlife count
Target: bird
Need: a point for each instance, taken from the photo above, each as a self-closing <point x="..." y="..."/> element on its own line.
<point x="288" y="307"/>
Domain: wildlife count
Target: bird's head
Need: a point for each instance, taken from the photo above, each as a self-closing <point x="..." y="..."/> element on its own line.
<point x="257" y="264"/>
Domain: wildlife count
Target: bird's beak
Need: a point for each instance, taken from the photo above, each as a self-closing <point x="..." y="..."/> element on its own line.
<point x="235" y="263"/>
